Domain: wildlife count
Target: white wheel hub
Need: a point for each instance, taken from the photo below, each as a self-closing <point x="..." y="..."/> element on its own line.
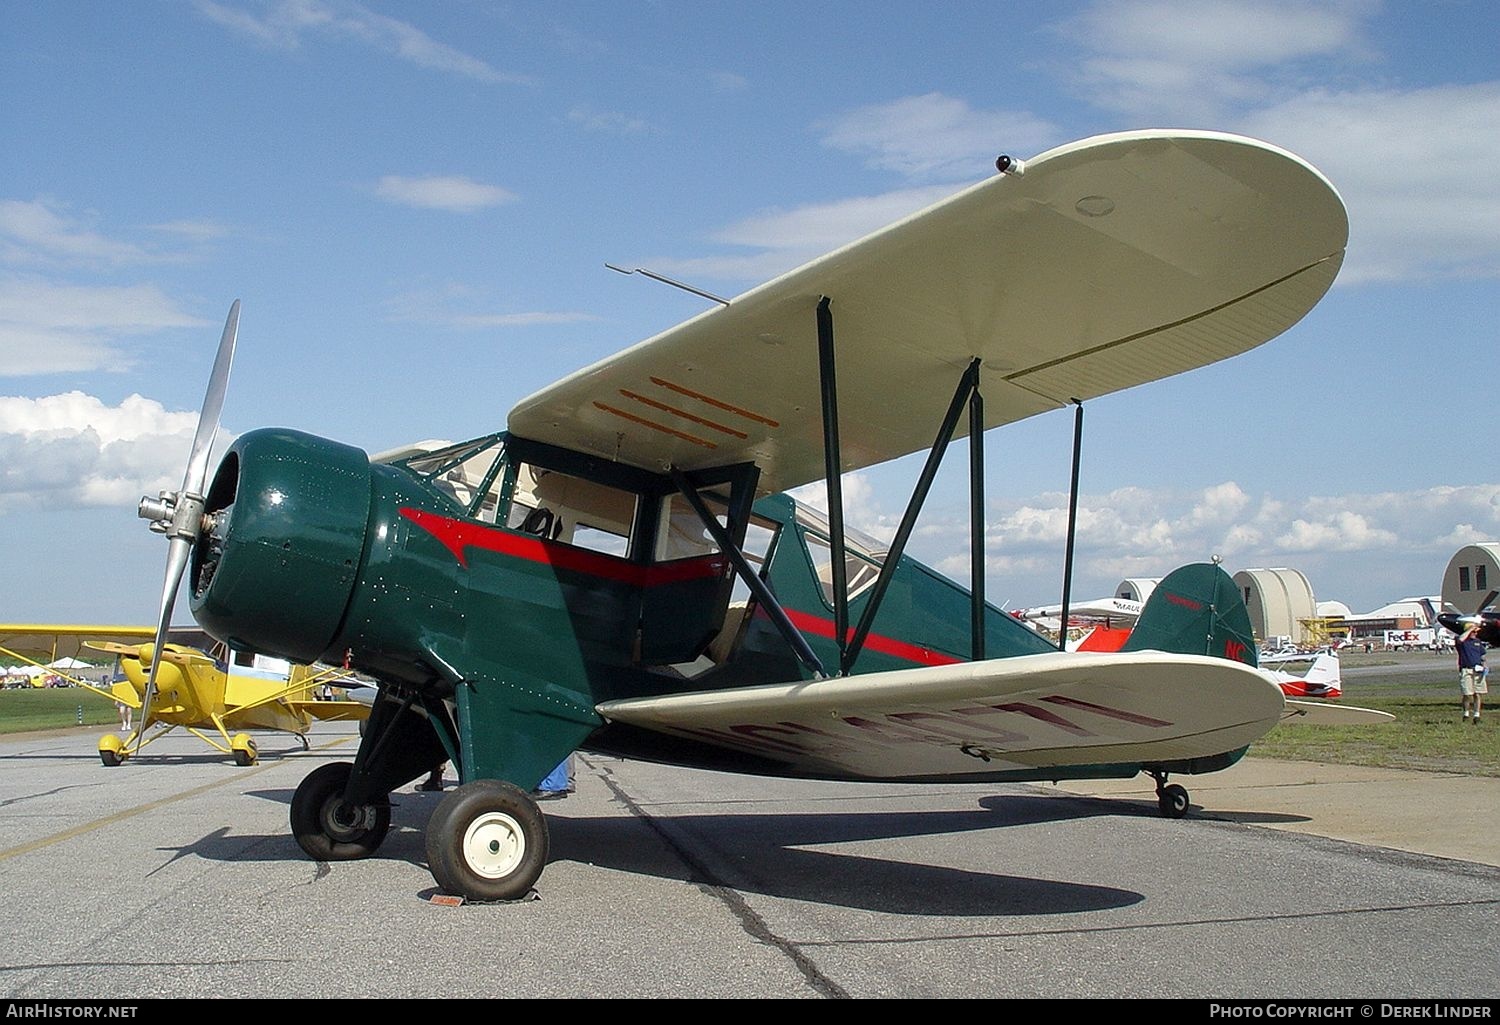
<point x="493" y="845"/>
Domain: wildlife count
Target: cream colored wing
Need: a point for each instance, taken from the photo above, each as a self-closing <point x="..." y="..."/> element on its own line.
<point x="1110" y="262"/>
<point x="1030" y="712"/>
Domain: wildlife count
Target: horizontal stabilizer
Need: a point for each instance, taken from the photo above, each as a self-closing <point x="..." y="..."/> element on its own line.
<point x="1318" y="713"/>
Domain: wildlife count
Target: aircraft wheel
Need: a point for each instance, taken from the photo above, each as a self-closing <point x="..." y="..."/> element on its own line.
<point x="1173" y="801"/>
<point x="326" y="827"/>
<point x="244" y="750"/>
<point x="111" y="750"/>
<point x="487" y="840"/>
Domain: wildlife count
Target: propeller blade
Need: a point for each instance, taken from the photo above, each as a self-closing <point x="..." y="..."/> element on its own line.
<point x="178" y="550"/>
<point x="1489" y="600"/>
<point x="180" y="516"/>
<point x="213" y="404"/>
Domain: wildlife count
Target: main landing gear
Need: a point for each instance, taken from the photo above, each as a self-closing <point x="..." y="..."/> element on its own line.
<point x="1171" y="799"/>
<point x="486" y="841"/>
<point x="329" y="828"/>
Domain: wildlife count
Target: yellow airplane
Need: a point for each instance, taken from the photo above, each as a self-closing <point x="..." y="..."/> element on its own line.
<point x="215" y="701"/>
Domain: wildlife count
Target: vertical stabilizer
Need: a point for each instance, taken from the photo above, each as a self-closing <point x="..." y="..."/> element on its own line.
<point x="1196" y="610"/>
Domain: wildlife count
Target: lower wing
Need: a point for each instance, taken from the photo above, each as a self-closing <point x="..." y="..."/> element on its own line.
<point x="1030" y="713"/>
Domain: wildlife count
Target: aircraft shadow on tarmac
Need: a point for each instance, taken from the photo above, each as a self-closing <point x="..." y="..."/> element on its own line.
<point x="767" y="854"/>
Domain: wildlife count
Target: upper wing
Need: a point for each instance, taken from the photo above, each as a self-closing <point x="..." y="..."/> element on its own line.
<point x="45" y="642"/>
<point x="1002" y="716"/>
<point x="1110" y="262"/>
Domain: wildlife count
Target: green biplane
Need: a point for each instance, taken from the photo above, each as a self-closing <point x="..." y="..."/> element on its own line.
<point x="620" y="569"/>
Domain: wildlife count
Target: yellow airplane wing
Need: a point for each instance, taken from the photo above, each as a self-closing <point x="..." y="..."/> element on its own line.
<point x="335" y="711"/>
<point x="1107" y="263"/>
<point x="46" y="642"/>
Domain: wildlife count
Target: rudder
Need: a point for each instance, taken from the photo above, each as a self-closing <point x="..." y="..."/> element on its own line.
<point x="1196" y="610"/>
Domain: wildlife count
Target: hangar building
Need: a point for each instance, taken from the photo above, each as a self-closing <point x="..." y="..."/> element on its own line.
<point x="1278" y="601"/>
<point x="1472" y="573"/>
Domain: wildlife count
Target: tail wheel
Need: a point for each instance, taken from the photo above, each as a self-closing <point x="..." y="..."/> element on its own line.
<point x="329" y="828"/>
<point x="1173" y="801"/>
<point x="487" y="840"/>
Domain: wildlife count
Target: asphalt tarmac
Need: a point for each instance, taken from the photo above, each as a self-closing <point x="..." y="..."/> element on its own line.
<point x="175" y="875"/>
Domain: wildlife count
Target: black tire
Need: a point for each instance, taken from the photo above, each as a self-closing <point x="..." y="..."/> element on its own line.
<point x="328" y="829"/>
<point x="1173" y="801"/>
<point x="245" y="756"/>
<point x="487" y="840"/>
<point x="109" y="758"/>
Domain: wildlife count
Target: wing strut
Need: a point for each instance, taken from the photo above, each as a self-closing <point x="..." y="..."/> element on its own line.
<point x="833" y="470"/>
<point x="976" y="523"/>
<point x="1062" y="629"/>
<point x="968" y="385"/>
<point x="747" y="573"/>
<point x="849" y="644"/>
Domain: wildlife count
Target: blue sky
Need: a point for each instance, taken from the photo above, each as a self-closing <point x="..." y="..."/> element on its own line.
<point x="415" y="203"/>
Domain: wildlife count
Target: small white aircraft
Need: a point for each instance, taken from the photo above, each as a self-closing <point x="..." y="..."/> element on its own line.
<point x="1321" y="681"/>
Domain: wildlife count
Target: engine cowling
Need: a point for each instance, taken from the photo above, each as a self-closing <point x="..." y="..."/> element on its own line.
<point x="284" y="530"/>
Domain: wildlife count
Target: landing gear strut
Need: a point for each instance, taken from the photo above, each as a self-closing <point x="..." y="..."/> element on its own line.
<point x="1171" y="799"/>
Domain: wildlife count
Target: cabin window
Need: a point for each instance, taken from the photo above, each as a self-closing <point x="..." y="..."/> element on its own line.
<point x="681" y="533"/>
<point x="573" y="511"/>
<point x="1479" y="578"/>
<point x="859" y="572"/>
<point x="596" y="539"/>
<point x="468" y="473"/>
<point x="1463" y="578"/>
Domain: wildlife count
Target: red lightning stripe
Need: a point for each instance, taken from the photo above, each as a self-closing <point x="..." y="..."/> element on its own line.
<point x="458" y="536"/>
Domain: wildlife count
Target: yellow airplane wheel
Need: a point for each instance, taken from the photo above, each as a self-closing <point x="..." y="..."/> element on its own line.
<point x="111" y="750"/>
<point x="244" y="750"/>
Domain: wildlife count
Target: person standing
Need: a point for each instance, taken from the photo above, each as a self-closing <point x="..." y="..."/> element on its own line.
<point x="1473" y="678"/>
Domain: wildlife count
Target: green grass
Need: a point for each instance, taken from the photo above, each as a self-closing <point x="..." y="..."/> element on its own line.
<point x="54" y="708"/>
<point x="1427" y="734"/>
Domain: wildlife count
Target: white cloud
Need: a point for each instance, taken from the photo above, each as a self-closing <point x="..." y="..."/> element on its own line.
<point x="48" y="328"/>
<point x="1238" y="34"/>
<point x="780" y="240"/>
<point x="936" y="137"/>
<point x="1189" y="62"/>
<point x="862" y="507"/>
<point x="69" y="450"/>
<point x="288" y="23"/>
<point x="1344" y="531"/>
<point x="442" y="192"/>
<point x="42" y="233"/>
<point x="1414" y="165"/>
<point x="1415" y="168"/>
<point x="1351" y="546"/>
